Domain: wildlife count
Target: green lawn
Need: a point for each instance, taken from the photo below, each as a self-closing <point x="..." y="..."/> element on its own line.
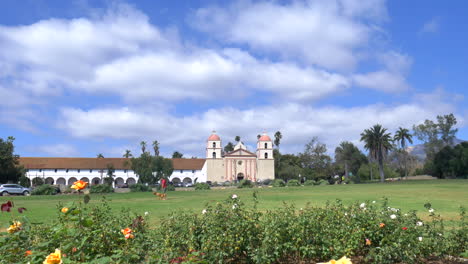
<point x="446" y="197"/>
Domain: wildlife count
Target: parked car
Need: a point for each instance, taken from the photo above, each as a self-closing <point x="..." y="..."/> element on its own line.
<point x="188" y="184"/>
<point x="13" y="189"/>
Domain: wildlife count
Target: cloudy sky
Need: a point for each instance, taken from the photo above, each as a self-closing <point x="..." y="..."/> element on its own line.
<point x="81" y="77"/>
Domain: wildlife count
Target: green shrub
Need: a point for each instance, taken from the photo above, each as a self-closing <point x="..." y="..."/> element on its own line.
<point x="267" y="182"/>
<point x="278" y="183"/>
<point x="323" y="182"/>
<point x="245" y="184"/>
<point x="101" y="188"/>
<point x="309" y="182"/>
<point x="139" y="187"/>
<point x="202" y="186"/>
<point x="37" y="181"/>
<point x="293" y="183"/>
<point x="45" y="189"/>
<point x="25" y="181"/>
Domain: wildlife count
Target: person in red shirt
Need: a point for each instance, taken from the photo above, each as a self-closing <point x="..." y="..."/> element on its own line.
<point x="163" y="185"/>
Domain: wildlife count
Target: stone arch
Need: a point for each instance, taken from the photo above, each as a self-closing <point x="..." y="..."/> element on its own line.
<point x="49" y="180"/>
<point x="71" y="180"/>
<point x="119" y="182"/>
<point x="61" y="181"/>
<point x="95" y="181"/>
<point x="85" y="179"/>
<point x="240" y="176"/>
<point x="176" y="180"/>
<point x="187" y="180"/>
<point x="131" y="181"/>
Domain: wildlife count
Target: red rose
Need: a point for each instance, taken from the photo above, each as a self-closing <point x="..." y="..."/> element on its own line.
<point x="404" y="228"/>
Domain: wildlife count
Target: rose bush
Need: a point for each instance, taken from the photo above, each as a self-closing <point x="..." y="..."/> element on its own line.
<point x="230" y="232"/>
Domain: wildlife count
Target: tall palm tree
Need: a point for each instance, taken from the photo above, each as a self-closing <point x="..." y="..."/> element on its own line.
<point x="378" y="143"/>
<point x="401" y="136"/>
<point x="343" y="154"/>
<point x="127" y="154"/>
<point x="100" y="155"/>
<point x="278" y="138"/>
<point x="156" y="148"/>
<point x="143" y="146"/>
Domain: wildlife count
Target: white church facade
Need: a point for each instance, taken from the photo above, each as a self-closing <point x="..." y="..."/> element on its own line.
<point x="216" y="167"/>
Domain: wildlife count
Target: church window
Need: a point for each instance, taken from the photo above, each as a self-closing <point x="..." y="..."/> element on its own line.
<point x="181" y="171"/>
<point x="40" y="170"/>
<point x="266" y="155"/>
<point x="90" y="171"/>
<point x="266" y="145"/>
<point x="55" y="170"/>
<point x="66" y="170"/>
<point x="78" y="170"/>
<point x="125" y="171"/>
<point x="214" y="144"/>
<point x="193" y="171"/>
<point x="214" y="155"/>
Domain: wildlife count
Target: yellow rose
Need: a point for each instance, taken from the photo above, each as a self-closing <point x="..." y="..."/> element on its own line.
<point x="15" y="227"/>
<point x="79" y="185"/>
<point x="343" y="260"/>
<point x="64" y="210"/>
<point x="127" y="233"/>
<point x="54" y="258"/>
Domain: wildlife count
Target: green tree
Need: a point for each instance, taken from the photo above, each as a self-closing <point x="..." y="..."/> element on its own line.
<point x="258" y="136"/>
<point x="229" y="147"/>
<point x="436" y="135"/>
<point x="151" y="169"/>
<point x="237" y="139"/>
<point x="278" y="138"/>
<point x="378" y="143"/>
<point x="109" y="179"/>
<point x="100" y="156"/>
<point x="402" y="135"/>
<point x="314" y="159"/>
<point x="350" y="157"/>
<point x="177" y="155"/>
<point x="10" y="171"/>
<point x="451" y="162"/>
<point x="143" y="146"/>
<point x="128" y="154"/>
<point x="156" y="148"/>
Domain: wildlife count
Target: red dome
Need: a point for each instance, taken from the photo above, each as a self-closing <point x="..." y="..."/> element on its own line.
<point x="214" y="137"/>
<point x="264" y="137"/>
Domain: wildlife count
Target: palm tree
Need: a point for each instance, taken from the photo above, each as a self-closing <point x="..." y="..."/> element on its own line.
<point x="156" y="148"/>
<point x="278" y="138"/>
<point x="127" y="154"/>
<point x="344" y="153"/>
<point x="378" y="143"/>
<point x="143" y="146"/>
<point x="401" y="136"/>
<point x="100" y="155"/>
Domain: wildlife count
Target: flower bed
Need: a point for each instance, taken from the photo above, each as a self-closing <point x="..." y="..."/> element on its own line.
<point x="230" y="232"/>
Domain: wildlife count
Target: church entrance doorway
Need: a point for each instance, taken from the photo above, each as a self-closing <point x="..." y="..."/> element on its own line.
<point x="240" y="176"/>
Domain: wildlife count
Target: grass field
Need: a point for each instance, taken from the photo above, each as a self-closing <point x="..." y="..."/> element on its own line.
<point x="446" y="196"/>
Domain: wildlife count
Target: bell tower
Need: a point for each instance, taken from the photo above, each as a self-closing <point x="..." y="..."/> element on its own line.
<point x="213" y="146"/>
<point x="265" y="159"/>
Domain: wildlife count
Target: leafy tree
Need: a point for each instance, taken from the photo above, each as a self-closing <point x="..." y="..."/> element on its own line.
<point x="177" y="154"/>
<point x="99" y="156"/>
<point x="143" y="146"/>
<point x="350" y="157"/>
<point x="287" y="166"/>
<point x="156" y="148"/>
<point x="109" y="179"/>
<point x="258" y="136"/>
<point x="229" y="147"/>
<point x="128" y="154"/>
<point x="151" y="169"/>
<point x="401" y="136"/>
<point x="237" y="139"/>
<point x="378" y="143"/>
<point x="451" y="162"/>
<point x="10" y="171"/>
<point x="436" y="135"/>
<point x="278" y="138"/>
<point x="314" y="159"/>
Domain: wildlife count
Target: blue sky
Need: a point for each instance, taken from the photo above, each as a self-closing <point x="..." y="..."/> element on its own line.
<point x="80" y="77"/>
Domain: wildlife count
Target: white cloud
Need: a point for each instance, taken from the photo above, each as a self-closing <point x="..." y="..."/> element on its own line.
<point x="431" y="26"/>
<point x="106" y="55"/>
<point x="57" y="150"/>
<point x="298" y="123"/>
<point x="392" y="78"/>
<point x="327" y="33"/>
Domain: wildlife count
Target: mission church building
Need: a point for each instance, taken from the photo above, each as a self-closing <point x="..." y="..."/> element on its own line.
<point x="218" y="166"/>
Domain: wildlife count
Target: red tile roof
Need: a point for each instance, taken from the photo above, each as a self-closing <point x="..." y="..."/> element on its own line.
<point x="100" y="163"/>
